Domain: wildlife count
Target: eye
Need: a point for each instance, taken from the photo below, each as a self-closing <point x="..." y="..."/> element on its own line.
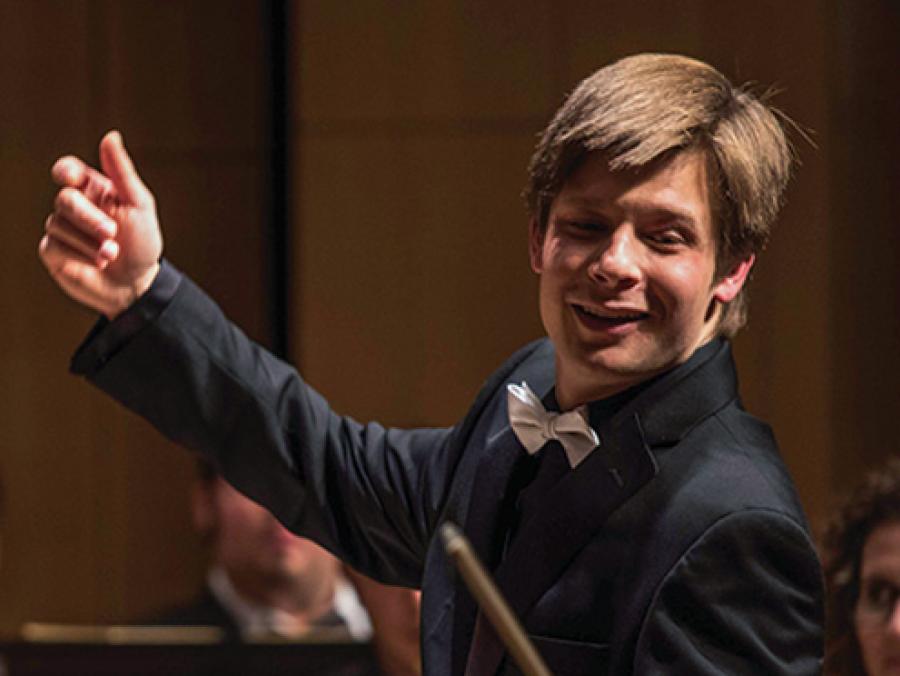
<point x="879" y="596"/>
<point x="668" y="238"/>
<point x="582" y="228"/>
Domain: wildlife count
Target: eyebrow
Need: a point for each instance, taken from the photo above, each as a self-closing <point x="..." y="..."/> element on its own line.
<point x="645" y="210"/>
<point x="684" y="218"/>
<point x="880" y="576"/>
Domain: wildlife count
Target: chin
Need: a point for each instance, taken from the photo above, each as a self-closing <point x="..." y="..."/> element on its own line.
<point x="615" y="361"/>
<point x="623" y="366"/>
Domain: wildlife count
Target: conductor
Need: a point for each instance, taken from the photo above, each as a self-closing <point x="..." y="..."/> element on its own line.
<point x="637" y="518"/>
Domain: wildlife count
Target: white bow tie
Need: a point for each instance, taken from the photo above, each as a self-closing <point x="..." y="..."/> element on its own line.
<point x="534" y="426"/>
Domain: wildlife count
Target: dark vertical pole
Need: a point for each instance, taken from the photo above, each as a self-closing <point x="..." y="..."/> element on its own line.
<point x="279" y="177"/>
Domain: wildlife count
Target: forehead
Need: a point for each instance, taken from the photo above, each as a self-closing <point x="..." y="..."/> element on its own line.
<point x="677" y="184"/>
<point x="881" y="553"/>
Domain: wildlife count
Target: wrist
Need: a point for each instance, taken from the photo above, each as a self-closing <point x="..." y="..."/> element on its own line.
<point x="144" y="282"/>
<point x="129" y="295"/>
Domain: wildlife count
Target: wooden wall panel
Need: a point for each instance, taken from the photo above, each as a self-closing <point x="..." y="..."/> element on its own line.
<point x="864" y="106"/>
<point x="413" y="131"/>
<point x="35" y="534"/>
<point x="403" y="277"/>
<point x="422" y="63"/>
<point x="97" y="525"/>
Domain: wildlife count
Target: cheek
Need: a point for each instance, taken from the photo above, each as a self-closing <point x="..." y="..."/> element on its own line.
<point x="685" y="285"/>
<point x="869" y="640"/>
<point x="572" y="260"/>
<point x="565" y="253"/>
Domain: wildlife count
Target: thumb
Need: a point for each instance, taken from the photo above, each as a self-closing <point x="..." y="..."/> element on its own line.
<point x="117" y="165"/>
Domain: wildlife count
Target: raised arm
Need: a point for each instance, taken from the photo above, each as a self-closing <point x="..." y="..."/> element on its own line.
<point x="102" y="243"/>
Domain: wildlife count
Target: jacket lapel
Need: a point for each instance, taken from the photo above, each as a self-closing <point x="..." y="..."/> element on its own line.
<point x="681" y="399"/>
<point x="580" y="504"/>
<point x="493" y="494"/>
<point x="576" y="508"/>
<point x="476" y="504"/>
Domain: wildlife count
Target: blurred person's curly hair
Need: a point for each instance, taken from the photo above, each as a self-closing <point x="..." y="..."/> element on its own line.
<point x="874" y="502"/>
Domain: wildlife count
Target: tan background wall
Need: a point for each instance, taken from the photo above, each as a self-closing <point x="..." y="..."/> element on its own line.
<point x="96" y="515"/>
<point x="412" y="126"/>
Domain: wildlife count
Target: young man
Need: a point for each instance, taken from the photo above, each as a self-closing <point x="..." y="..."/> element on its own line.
<point x="650" y="528"/>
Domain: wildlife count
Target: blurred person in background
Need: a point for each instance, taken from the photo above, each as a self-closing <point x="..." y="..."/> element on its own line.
<point x="861" y="554"/>
<point x="263" y="581"/>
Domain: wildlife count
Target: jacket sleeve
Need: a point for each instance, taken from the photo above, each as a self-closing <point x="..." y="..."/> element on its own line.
<point x="369" y="494"/>
<point x="744" y="599"/>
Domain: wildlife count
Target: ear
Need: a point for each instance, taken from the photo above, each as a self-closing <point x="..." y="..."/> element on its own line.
<point x="536" y="246"/>
<point x="727" y="288"/>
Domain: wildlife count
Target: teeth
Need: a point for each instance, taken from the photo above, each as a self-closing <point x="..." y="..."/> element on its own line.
<point x="601" y="315"/>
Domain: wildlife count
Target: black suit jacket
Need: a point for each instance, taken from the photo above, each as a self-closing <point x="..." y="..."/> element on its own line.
<point x="678" y="546"/>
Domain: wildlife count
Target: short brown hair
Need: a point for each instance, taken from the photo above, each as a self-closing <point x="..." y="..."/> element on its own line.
<point x="646" y="107"/>
<point x="874" y="503"/>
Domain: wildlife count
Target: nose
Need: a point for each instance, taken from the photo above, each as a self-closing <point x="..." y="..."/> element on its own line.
<point x="617" y="260"/>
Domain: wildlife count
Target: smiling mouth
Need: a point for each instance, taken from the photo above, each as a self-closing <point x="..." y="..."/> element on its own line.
<point x="606" y="318"/>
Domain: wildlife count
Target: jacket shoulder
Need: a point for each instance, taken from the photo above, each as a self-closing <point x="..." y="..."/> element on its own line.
<point x="746" y="597"/>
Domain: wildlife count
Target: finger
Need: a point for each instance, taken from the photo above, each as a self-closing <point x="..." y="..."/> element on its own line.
<point x="84" y="214"/>
<point x="77" y="276"/>
<point x="118" y="166"/>
<point x="99" y="251"/>
<point x="56" y="254"/>
<point x="70" y="171"/>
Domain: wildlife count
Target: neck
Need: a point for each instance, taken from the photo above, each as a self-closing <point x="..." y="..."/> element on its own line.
<point x="572" y="392"/>
<point x="575" y="389"/>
